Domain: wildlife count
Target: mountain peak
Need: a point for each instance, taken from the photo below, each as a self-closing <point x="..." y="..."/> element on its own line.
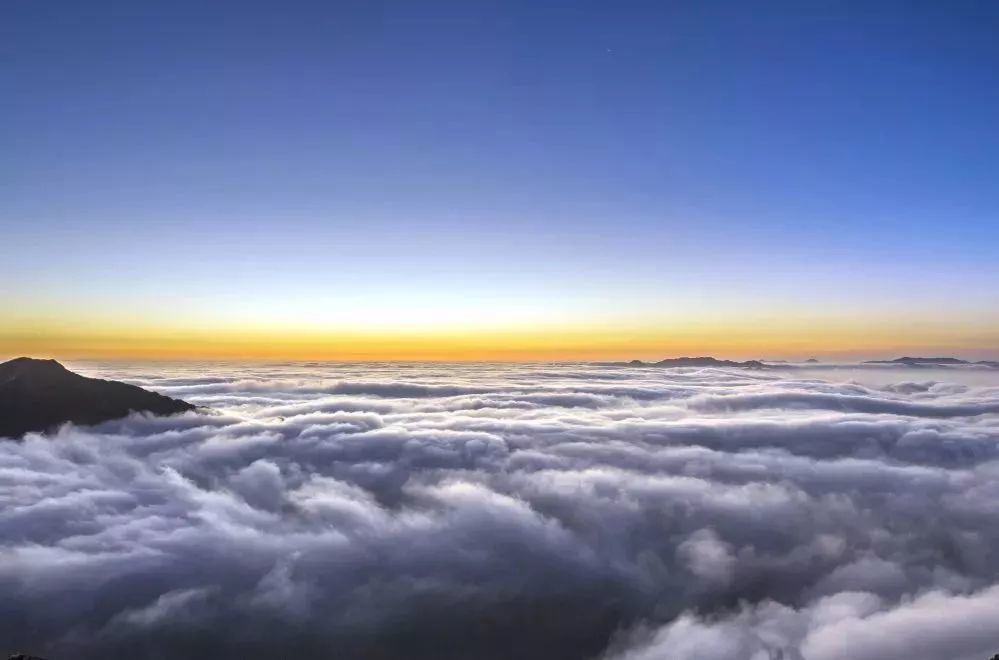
<point x="38" y="395"/>
<point x="921" y="361"/>
<point x="22" y="365"/>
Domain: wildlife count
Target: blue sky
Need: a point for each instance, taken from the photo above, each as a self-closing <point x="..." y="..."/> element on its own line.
<point x="581" y="160"/>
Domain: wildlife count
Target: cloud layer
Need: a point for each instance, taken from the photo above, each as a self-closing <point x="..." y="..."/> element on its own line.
<point x="486" y="511"/>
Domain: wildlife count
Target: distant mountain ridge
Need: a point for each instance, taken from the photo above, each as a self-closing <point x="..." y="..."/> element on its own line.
<point x="707" y="361"/>
<point x="933" y="362"/>
<point x="703" y="361"/>
<point x="38" y="395"/>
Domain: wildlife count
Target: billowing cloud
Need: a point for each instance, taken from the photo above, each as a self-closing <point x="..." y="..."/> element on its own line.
<point x="490" y="511"/>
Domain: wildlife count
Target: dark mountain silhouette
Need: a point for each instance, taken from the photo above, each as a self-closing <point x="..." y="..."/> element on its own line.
<point x="37" y="395"/>
<point x="933" y="362"/>
<point x="920" y="361"/>
<point x="693" y="362"/>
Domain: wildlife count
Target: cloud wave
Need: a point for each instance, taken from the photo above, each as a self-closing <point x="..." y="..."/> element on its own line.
<point x="491" y="511"/>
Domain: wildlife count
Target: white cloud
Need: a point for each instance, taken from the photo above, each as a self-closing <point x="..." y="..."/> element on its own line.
<point x="495" y="511"/>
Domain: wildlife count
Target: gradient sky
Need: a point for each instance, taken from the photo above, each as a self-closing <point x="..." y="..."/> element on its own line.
<point x="498" y="180"/>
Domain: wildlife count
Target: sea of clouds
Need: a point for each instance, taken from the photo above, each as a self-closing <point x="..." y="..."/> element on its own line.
<point x="512" y="511"/>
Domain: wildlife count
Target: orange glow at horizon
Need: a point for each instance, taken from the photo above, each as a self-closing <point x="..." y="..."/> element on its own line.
<point x="760" y="339"/>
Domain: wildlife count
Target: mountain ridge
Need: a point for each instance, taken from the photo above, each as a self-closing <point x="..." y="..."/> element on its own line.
<point x="708" y="361"/>
<point x="39" y="395"/>
<point x="933" y="362"/>
<point x="700" y="361"/>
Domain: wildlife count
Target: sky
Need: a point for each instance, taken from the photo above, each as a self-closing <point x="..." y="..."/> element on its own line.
<point x="498" y="180"/>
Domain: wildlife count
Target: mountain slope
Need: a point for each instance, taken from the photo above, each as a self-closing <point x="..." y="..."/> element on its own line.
<point x="37" y="395"/>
